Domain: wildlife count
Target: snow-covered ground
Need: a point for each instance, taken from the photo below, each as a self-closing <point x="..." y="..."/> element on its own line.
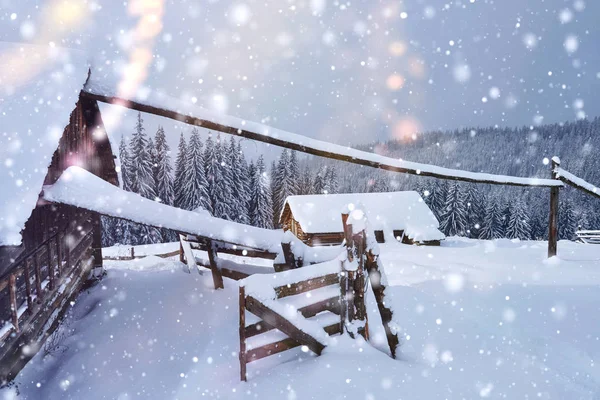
<point x="480" y="319"/>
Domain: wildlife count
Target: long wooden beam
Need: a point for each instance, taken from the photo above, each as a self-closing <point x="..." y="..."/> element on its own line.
<point x="358" y="157"/>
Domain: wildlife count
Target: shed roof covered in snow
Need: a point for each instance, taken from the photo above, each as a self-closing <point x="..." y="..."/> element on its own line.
<point x="385" y="211"/>
<point x="39" y="88"/>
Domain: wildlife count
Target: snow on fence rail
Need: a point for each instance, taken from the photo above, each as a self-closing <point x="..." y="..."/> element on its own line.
<point x="287" y="316"/>
<point x="193" y="115"/>
<point x="80" y="188"/>
<point x="588" y="237"/>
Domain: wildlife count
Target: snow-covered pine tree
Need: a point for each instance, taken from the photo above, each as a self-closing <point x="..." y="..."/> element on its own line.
<point x="262" y="209"/>
<point x="492" y="223"/>
<point x="221" y="194"/>
<point x="251" y="170"/>
<point x="195" y="186"/>
<point x="178" y="183"/>
<point x="475" y="211"/>
<point x="285" y="185"/>
<point x="437" y="202"/>
<point x="567" y="220"/>
<point x="518" y="225"/>
<point x="239" y="182"/>
<point x="294" y="171"/>
<point x="319" y="182"/>
<point x="506" y="211"/>
<point x="454" y="219"/>
<point x="164" y="169"/>
<point x="164" y="177"/>
<point x="331" y="180"/>
<point x="125" y="161"/>
<point x="142" y="179"/>
<point x="306" y="182"/>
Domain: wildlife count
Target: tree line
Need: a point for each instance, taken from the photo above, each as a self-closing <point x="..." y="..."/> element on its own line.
<point x="215" y="176"/>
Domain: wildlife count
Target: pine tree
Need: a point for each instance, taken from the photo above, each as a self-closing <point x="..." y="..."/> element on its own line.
<point x="475" y="211"/>
<point x="195" y="186"/>
<point x="178" y="184"/>
<point x="331" y="180"/>
<point x="285" y="182"/>
<point x="142" y="180"/>
<point x="220" y="194"/>
<point x="454" y="219"/>
<point x="438" y="195"/>
<point x="262" y="209"/>
<point x="506" y="215"/>
<point x="239" y="187"/>
<point x="164" y="170"/>
<point x="294" y="172"/>
<point x="518" y="225"/>
<point x="492" y="223"/>
<point x="251" y="185"/>
<point x="319" y="186"/>
<point x="306" y="182"/>
<point x="567" y="220"/>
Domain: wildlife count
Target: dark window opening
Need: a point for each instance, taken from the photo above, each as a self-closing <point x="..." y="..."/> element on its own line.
<point x="399" y="234"/>
<point x="379" y="236"/>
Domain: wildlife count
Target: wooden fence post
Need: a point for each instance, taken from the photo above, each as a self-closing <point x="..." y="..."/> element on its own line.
<point x="181" y="258"/>
<point x="359" y="284"/>
<point x="214" y="267"/>
<point x="14" y="308"/>
<point x="58" y="255"/>
<point x="288" y="255"/>
<point x="38" y="278"/>
<point x="242" y="354"/>
<point x="50" y="267"/>
<point x="28" y="286"/>
<point x="553" y="219"/>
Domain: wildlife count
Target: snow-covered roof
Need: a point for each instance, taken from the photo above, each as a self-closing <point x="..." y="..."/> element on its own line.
<point x="385" y="211"/>
<point x="39" y="88"/>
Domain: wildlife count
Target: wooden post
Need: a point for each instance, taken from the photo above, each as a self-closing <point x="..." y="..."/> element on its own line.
<point x="288" y="255"/>
<point x="242" y="354"/>
<point x="553" y="219"/>
<point x="181" y="258"/>
<point x="96" y="240"/>
<point x="133" y="253"/>
<point x="38" y="278"/>
<point x="28" y="286"/>
<point x="214" y="267"/>
<point x="58" y="255"/>
<point x="343" y="295"/>
<point x="67" y="254"/>
<point x="379" y="292"/>
<point x="359" y="284"/>
<point x="50" y="267"/>
<point x="12" y="288"/>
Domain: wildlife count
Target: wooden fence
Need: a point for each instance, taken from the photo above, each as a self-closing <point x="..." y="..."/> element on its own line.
<point x="328" y="296"/>
<point x="38" y="283"/>
<point x="568" y="178"/>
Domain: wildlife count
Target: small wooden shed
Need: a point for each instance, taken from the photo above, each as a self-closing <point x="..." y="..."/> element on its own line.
<point x="46" y="250"/>
<point x="393" y="216"/>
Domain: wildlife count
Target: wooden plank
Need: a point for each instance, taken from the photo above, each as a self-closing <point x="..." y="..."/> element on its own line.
<point x="235" y="275"/>
<point x="553" y="217"/>
<point x="360" y="157"/>
<point x="38" y="278"/>
<point x="307" y="285"/>
<point x="282" y="345"/>
<point x="58" y="255"/>
<point x="288" y="255"/>
<point x="242" y="333"/>
<point x="259" y="309"/>
<point x="14" y="308"/>
<point x="379" y="294"/>
<point x="50" y="267"/>
<point x="214" y="266"/>
<point x="189" y="255"/>
<point x="28" y="286"/>
<point x="237" y="251"/>
<point x="332" y="304"/>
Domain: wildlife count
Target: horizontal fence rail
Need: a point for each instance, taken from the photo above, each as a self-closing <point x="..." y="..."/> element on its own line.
<point x="316" y="147"/>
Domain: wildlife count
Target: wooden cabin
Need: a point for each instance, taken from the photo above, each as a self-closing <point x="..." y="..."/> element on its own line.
<point x="393" y="216"/>
<point x="46" y="250"/>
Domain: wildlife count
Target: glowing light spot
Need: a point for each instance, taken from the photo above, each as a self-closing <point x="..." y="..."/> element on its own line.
<point x="394" y="82"/>
<point x="397" y="49"/>
<point x="406" y="129"/>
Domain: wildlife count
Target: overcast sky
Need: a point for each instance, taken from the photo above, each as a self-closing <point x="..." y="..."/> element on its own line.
<point x="349" y="72"/>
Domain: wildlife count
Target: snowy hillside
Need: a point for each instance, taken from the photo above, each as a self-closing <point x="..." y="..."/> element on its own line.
<point x="481" y="319"/>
